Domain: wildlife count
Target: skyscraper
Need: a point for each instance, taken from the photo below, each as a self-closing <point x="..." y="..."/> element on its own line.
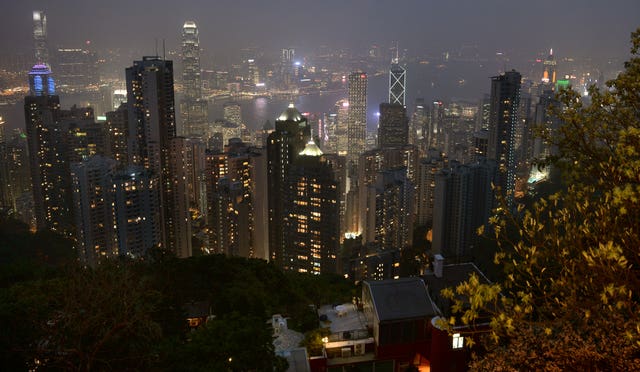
<point x="397" y="82"/>
<point x="191" y="61"/>
<point x="283" y="147"/>
<point x="193" y="108"/>
<point x="503" y="120"/>
<point x="93" y="209"/>
<point x="41" y="108"/>
<point x="549" y="72"/>
<point x="357" y="125"/>
<point x="311" y="209"/>
<point x="463" y="201"/>
<point x="40" y="38"/>
<point x="393" y="130"/>
<point x="152" y="127"/>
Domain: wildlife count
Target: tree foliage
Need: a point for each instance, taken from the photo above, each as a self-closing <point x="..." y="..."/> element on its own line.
<point x="570" y="297"/>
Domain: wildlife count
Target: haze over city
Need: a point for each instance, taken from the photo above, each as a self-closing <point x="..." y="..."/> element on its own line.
<point x="588" y="28"/>
<point x="328" y="186"/>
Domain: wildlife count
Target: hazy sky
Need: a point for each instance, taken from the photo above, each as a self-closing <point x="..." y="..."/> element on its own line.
<point x="571" y="27"/>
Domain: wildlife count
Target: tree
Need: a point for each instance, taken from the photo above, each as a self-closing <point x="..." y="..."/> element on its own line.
<point x="570" y="297"/>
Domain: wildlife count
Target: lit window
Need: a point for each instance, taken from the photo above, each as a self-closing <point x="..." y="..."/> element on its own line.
<point x="458" y="341"/>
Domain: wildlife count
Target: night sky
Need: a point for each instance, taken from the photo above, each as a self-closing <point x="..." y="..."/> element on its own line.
<point x="575" y="27"/>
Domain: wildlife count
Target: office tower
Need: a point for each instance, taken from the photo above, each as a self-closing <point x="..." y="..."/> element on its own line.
<point x="136" y="198"/>
<point x="118" y="130"/>
<point x="119" y="97"/>
<point x="397" y="82"/>
<point x="193" y="108"/>
<point x="357" y="125"/>
<point x="232" y="112"/>
<point x="40" y="37"/>
<point x="417" y="129"/>
<point x="152" y="127"/>
<point x="76" y="68"/>
<point x="311" y="210"/>
<point x="549" y="122"/>
<point x="93" y="211"/>
<point x="435" y="135"/>
<point x="549" y="72"/>
<point x="463" y="202"/>
<point x="426" y="183"/>
<point x="393" y="130"/>
<point x="286" y="66"/>
<point x="191" y="61"/>
<point x="505" y="102"/>
<point x="283" y="147"/>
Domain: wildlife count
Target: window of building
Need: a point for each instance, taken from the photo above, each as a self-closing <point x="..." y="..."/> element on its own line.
<point x="458" y="341"/>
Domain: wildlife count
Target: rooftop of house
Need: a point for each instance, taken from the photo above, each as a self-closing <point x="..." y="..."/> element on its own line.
<point x="403" y="298"/>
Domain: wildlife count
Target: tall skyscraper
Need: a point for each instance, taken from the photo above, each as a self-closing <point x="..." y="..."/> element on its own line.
<point x="41" y="108"/>
<point x="283" y="147"/>
<point x="193" y="108"/>
<point x="393" y="130"/>
<point x="426" y="183"/>
<point x="40" y="37"/>
<point x="191" y="61"/>
<point x="503" y="121"/>
<point x="311" y="210"/>
<point x="463" y="202"/>
<point x="357" y="125"/>
<point x="397" y="82"/>
<point x="549" y="72"/>
<point x="152" y="127"/>
<point x="75" y="68"/>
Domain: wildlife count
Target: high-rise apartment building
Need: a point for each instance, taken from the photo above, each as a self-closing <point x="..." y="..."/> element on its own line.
<point x="152" y="127"/>
<point x="463" y="202"/>
<point x="118" y="131"/>
<point x="40" y="37"/>
<point x="283" y="147"/>
<point x="393" y="130"/>
<point x="357" y="125"/>
<point x="311" y="209"/>
<point x="96" y="237"/>
<point x="426" y="183"/>
<point x="503" y="121"/>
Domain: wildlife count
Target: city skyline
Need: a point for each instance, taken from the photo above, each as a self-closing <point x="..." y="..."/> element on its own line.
<point x="421" y="27"/>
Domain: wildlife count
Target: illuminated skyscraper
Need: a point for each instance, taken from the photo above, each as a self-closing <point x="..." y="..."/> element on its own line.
<point x="393" y="130"/>
<point x="40" y="37"/>
<point x="75" y="68"/>
<point x="93" y="209"/>
<point x="311" y="210"/>
<point x="193" y="108"/>
<point x="41" y="108"/>
<point x="283" y="147"/>
<point x="152" y="127"/>
<point x="549" y="73"/>
<point x="503" y="120"/>
<point x="191" y="61"/>
<point x="397" y="82"/>
<point x="357" y="125"/>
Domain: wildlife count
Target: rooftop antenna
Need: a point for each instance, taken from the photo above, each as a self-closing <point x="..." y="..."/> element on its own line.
<point x="163" y="51"/>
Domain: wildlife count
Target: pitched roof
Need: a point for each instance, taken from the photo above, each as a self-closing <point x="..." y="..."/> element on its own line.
<point x="403" y="298"/>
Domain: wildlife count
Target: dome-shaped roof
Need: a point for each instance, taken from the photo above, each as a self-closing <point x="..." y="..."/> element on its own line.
<point x="291" y="114"/>
<point x="311" y="149"/>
